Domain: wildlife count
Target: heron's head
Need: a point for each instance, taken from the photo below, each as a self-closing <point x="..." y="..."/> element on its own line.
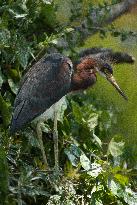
<point x="107" y="72"/>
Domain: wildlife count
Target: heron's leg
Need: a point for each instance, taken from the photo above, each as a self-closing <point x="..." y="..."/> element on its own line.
<point x="55" y="137"/>
<point x="39" y="134"/>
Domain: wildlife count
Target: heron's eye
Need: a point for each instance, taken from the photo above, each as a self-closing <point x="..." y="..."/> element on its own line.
<point x="87" y="68"/>
<point x="107" y="69"/>
<point x="70" y="65"/>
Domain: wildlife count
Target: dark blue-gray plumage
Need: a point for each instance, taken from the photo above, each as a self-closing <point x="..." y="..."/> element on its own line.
<point x="42" y="86"/>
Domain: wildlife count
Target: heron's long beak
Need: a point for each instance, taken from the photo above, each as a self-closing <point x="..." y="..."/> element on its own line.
<point x="112" y="80"/>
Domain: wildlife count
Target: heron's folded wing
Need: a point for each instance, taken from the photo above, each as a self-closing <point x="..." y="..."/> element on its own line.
<point x="43" y="85"/>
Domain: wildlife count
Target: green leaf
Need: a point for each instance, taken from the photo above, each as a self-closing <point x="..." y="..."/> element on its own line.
<point x="32" y="140"/>
<point x="96" y="169"/>
<point x="45" y="127"/>
<point x="3" y="175"/>
<point x="59" y="108"/>
<point x="77" y="156"/>
<point x="68" y="30"/>
<point x="4" y="109"/>
<point x="77" y="112"/>
<point x="73" y="153"/>
<point x="20" y="16"/>
<point x="85" y="162"/>
<point x="96" y="140"/>
<point x="23" y="51"/>
<point x="92" y="121"/>
<point x="115" y="188"/>
<point x="129" y="196"/>
<point x="116" y="146"/>
<point x="47" y="1"/>
<point x="13" y="86"/>
<point x="123" y="180"/>
<point x="1" y="78"/>
<point x="4" y="38"/>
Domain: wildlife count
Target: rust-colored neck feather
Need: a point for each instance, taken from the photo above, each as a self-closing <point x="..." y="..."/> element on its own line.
<point x="84" y="74"/>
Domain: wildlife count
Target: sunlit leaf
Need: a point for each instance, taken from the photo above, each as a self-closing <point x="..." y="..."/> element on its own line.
<point x="123" y="180"/>
<point x="97" y="140"/>
<point x="96" y="169"/>
<point x="1" y="78"/>
<point x="20" y="15"/>
<point x="129" y="196"/>
<point x="59" y="108"/>
<point x="69" y="30"/>
<point x="4" y="38"/>
<point x="92" y="121"/>
<point x="13" y="86"/>
<point x="3" y="175"/>
<point x="4" y="109"/>
<point x="73" y="153"/>
<point x="47" y="1"/>
<point x="85" y="162"/>
<point x="32" y="140"/>
<point x="23" y="51"/>
<point x="77" y="112"/>
<point x="116" y="147"/>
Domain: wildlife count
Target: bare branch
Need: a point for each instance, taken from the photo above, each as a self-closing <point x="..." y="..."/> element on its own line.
<point x="95" y="21"/>
<point x="119" y="9"/>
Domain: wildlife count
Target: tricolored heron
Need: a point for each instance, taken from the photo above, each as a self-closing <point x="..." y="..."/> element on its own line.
<point x="51" y="78"/>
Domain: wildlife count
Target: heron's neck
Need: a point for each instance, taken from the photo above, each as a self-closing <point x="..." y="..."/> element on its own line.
<point x="84" y="75"/>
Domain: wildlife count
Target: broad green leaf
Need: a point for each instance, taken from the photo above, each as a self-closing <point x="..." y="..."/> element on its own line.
<point x="116" y="147"/>
<point x="85" y="162"/>
<point x="5" y="113"/>
<point x="32" y="140"/>
<point x="20" y="16"/>
<point x="116" y="189"/>
<point x="97" y="140"/>
<point x="96" y="169"/>
<point x="4" y="38"/>
<point x="47" y="1"/>
<point x="23" y="51"/>
<point x="3" y="175"/>
<point x="16" y="14"/>
<point x="45" y="127"/>
<point x="129" y="196"/>
<point x="123" y="180"/>
<point x="59" y="108"/>
<point x="73" y="153"/>
<point x="1" y="78"/>
<point x="77" y="112"/>
<point x="76" y="156"/>
<point x="13" y="86"/>
<point x="68" y="30"/>
<point x="92" y="121"/>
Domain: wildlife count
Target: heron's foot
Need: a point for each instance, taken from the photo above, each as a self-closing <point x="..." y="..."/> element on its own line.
<point x="55" y="137"/>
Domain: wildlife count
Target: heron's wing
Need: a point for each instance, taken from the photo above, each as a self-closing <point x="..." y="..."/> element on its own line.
<point x="42" y="86"/>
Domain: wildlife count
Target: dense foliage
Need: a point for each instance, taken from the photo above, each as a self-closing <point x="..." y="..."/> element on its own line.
<point x="93" y="168"/>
